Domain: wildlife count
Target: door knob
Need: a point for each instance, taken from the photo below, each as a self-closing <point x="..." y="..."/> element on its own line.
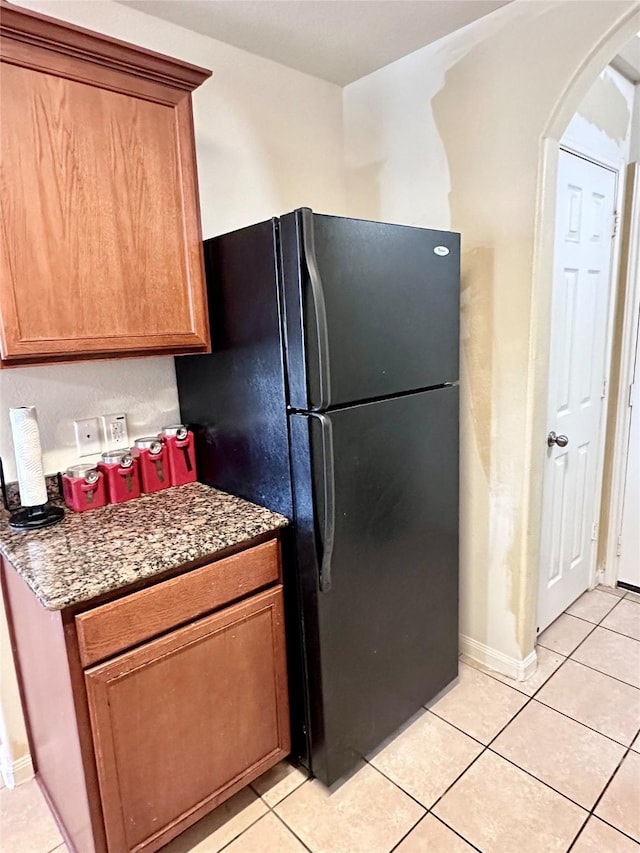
<point x="560" y="440"/>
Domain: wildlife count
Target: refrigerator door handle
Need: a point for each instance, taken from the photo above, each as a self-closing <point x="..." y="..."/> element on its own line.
<point x="319" y="308"/>
<point x="329" y="491"/>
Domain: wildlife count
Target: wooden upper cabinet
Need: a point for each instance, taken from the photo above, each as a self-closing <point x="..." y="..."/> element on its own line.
<point x="100" y="248"/>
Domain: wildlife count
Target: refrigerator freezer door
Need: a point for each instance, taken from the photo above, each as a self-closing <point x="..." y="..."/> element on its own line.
<point x="383" y="639"/>
<point x="371" y="309"/>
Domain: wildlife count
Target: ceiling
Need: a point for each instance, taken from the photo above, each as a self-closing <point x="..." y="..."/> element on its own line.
<point x="336" y="40"/>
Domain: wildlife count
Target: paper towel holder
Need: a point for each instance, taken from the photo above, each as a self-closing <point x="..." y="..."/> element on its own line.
<point x="35" y="517"/>
<point x="30" y="517"/>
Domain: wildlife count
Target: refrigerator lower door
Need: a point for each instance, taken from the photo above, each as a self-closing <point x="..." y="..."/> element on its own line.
<point x="371" y="309"/>
<point x="376" y="508"/>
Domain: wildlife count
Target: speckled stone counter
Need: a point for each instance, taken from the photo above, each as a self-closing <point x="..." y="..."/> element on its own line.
<point x="91" y="553"/>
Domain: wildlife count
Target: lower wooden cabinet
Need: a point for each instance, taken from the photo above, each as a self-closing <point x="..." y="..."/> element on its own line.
<point x="182" y="721"/>
<point x="132" y="750"/>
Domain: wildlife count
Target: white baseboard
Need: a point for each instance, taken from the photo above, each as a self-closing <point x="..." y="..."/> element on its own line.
<point x="17" y="772"/>
<point x="514" y="668"/>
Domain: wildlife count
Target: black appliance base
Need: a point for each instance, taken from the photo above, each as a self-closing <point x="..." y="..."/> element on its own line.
<point x="35" y="517"/>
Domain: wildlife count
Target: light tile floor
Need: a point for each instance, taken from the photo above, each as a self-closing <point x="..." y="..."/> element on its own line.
<point x="550" y="764"/>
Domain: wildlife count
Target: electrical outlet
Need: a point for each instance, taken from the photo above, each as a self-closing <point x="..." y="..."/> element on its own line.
<point x="115" y="432"/>
<point x="87" y="436"/>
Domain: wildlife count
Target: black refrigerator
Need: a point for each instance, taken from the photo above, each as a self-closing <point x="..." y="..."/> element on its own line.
<point x="331" y="396"/>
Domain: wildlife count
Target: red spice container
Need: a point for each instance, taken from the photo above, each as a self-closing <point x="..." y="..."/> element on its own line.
<point x="181" y="452"/>
<point x="83" y="487"/>
<point x="120" y="470"/>
<point x="152" y="456"/>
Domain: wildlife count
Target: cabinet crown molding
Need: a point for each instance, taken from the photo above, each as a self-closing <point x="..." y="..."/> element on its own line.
<point x="32" y="28"/>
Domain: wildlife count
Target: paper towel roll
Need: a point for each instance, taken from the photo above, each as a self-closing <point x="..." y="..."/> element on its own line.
<point x="28" y="453"/>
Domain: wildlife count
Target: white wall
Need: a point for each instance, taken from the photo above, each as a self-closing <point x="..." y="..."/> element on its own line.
<point x="634" y="148"/>
<point x="268" y="139"/>
<point x="602" y="124"/>
<point x="144" y="388"/>
<point x="451" y="136"/>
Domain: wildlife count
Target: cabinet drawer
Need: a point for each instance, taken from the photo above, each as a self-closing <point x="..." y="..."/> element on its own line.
<point x="121" y="624"/>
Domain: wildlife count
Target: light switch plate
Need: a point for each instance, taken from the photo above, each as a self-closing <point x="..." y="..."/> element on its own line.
<point x="87" y="436"/>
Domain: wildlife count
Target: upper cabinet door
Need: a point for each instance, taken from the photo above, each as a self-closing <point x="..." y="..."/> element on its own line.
<point x="100" y="250"/>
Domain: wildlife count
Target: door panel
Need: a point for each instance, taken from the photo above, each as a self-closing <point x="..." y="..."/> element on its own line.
<point x="385" y="637"/>
<point x="580" y="505"/>
<point x="371" y="308"/>
<point x="204" y="706"/>
<point x="581" y="282"/>
<point x="101" y="245"/>
<point x="558" y="509"/>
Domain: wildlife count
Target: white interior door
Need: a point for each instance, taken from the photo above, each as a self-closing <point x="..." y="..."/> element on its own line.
<point x="581" y="284"/>
<point x="629" y="564"/>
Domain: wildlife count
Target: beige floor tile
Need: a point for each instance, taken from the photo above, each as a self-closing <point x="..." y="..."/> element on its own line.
<point x="268" y="835"/>
<point x="564" y="754"/>
<point x="367" y="814"/>
<point x="625" y="619"/>
<point x="602" y="703"/>
<point x="632" y="596"/>
<point x="220" y="826"/>
<point x="612" y="590"/>
<point x="592" y="606"/>
<point x="478" y="704"/>
<point x="432" y="836"/>
<point x="500" y="809"/>
<point x="597" y="837"/>
<point x="548" y="662"/>
<point x="279" y="782"/>
<point x="27" y="825"/>
<point x="611" y="653"/>
<point x="620" y="805"/>
<point x="565" y="634"/>
<point x="426" y="758"/>
<point x="636" y="744"/>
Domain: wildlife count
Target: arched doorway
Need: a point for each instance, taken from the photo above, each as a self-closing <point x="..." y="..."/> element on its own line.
<point x="540" y="366"/>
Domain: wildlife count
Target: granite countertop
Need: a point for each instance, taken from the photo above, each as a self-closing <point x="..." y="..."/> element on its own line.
<point x="91" y="553"/>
